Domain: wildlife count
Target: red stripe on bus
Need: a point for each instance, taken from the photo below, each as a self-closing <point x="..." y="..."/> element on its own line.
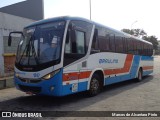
<point x="83" y="75"/>
<point x="147" y="67"/>
<point x="126" y="68"/>
<point x="76" y="75"/>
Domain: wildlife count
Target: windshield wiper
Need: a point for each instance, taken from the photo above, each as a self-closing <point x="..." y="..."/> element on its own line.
<point x="27" y="49"/>
<point x="23" y="53"/>
<point x="31" y="49"/>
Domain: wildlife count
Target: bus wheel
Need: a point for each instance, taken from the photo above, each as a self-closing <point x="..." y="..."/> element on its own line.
<point x="139" y="78"/>
<point x="94" y="85"/>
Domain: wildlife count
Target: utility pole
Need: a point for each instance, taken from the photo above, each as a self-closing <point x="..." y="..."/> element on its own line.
<point x="90" y="6"/>
<point x="133" y="24"/>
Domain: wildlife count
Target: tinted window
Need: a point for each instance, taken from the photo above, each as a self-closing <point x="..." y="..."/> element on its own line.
<point x="141" y="48"/>
<point x="119" y="44"/>
<point x="95" y="45"/>
<point x="101" y="40"/>
<point x="77" y="41"/>
<point x="130" y="46"/>
<point x="68" y="45"/>
<point x="112" y="43"/>
<point x="138" y="47"/>
<point x="80" y="42"/>
<point x="125" y="45"/>
<point x="149" y="50"/>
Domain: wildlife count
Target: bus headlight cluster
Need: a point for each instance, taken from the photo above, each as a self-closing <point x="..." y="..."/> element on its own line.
<point x="50" y="75"/>
<point x="17" y="75"/>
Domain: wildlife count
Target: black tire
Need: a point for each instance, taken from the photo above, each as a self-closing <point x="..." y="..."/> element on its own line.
<point x="140" y="75"/>
<point x="95" y="86"/>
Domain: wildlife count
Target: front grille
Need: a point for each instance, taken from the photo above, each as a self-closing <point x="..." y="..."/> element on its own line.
<point x="35" y="81"/>
<point x="30" y="80"/>
<point x="30" y="89"/>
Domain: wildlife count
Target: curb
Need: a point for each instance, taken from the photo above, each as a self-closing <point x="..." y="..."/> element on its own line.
<point x="6" y="82"/>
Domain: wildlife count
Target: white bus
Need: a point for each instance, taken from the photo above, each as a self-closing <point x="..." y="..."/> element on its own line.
<point x="66" y="55"/>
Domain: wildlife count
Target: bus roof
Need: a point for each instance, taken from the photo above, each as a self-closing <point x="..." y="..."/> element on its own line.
<point x="64" y="18"/>
<point x="58" y="19"/>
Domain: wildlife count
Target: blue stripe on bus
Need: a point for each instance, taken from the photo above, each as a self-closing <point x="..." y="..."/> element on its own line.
<point x="135" y="66"/>
<point x="67" y="89"/>
<point x="148" y="58"/>
<point x="131" y="75"/>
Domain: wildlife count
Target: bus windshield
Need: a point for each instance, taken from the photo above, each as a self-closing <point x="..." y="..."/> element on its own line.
<point x="41" y="44"/>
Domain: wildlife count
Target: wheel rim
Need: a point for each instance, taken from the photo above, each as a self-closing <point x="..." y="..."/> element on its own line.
<point x="95" y="86"/>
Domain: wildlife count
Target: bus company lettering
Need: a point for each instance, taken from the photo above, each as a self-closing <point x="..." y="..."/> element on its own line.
<point x="103" y="61"/>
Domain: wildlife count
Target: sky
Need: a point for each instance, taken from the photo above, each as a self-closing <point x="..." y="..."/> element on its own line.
<point x="118" y="14"/>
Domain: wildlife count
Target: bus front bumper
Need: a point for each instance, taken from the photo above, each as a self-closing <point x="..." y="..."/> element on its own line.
<point x="52" y="87"/>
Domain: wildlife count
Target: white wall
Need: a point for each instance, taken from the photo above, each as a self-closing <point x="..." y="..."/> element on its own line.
<point x="1" y="52"/>
<point x="10" y="23"/>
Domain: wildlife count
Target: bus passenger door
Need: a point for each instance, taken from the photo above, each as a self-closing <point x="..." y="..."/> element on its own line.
<point x="75" y="49"/>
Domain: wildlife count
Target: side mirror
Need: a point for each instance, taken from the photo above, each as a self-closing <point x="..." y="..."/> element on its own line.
<point x="10" y="36"/>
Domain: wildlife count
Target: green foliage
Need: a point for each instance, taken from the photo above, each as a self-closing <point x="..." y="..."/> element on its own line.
<point x="136" y="32"/>
<point x="142" y="34"/>
<point x="153" y="40"/>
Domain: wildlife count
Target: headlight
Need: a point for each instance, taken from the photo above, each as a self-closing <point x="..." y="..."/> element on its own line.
<point x="17" y="75"/>
<point x="50" y="75"/>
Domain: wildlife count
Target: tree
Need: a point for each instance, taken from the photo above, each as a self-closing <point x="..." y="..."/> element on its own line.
<point x="136" y="32"/>
<point x="153" y="40"/>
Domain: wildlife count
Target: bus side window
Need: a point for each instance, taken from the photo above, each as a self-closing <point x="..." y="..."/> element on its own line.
<point x="130" y="46"/>
<point x="142" y="48"/>
<point x="77" y="41"/>
<point x="112" y="43"/>
<point x="119" y="44"/>
<point x="152" y="51"/>
<point x="138" y="47"/>
<point x="80" y="42"/>
<point x="78" y="45"/>
<point x="68" y="46"/>
<point x="125" y="45"/>
<point x="95" y="43"/>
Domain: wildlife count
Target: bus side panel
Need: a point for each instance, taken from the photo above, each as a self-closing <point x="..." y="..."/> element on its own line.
<point x="74" y="88"/>
<point x="147" y="72"/>
<point x="82" y="86"/>
<point x="67" y="89"/>
<point x="126" y="76"/>
<point x="117" y="79"/>
<point x="147" y="64"/>
<point x="135" y="66"/>
<point x="75" y="81"/>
